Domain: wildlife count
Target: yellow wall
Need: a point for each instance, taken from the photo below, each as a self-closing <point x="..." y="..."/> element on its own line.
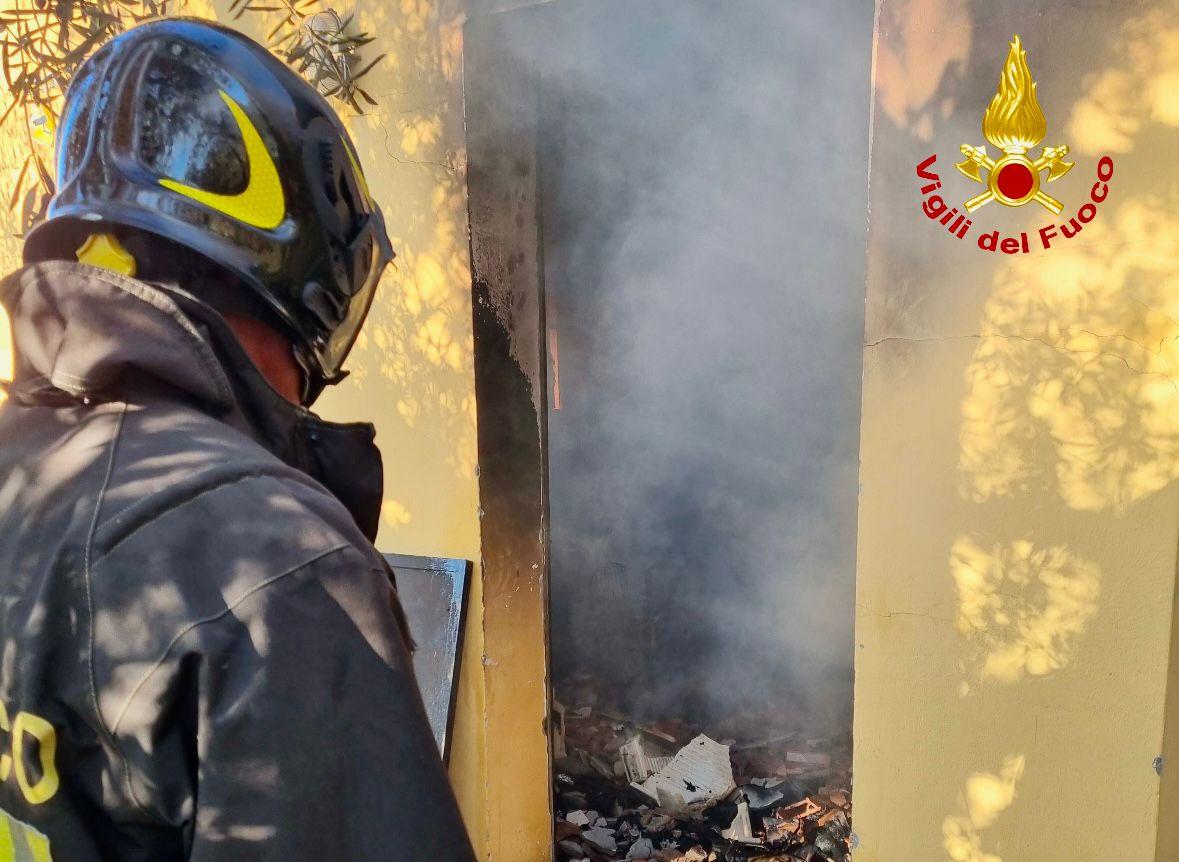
<point x="412" y="368"/>
<point x="1020" y="441"/>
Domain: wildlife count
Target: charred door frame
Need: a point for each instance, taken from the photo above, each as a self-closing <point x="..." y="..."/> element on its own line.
<point x="501" y="98"/>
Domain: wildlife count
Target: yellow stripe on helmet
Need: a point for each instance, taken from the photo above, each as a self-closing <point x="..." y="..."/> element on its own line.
<point x="262" y="204"/>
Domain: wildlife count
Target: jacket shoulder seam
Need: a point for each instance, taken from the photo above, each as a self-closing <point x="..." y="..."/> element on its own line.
<point x="229" y="607"/>
<point x="185" y="630"/>
<point x="221" y="483"/>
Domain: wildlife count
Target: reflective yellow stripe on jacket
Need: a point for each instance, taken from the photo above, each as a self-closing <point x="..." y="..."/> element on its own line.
<point x="20" y="842"/>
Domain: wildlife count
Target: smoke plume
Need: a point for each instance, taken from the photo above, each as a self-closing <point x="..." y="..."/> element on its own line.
<point x="703" y="172"/>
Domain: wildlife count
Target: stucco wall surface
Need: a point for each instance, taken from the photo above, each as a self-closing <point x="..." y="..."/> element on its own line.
<point x="1020" y="441"/>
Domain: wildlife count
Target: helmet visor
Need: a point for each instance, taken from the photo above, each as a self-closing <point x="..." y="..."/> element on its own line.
<point x="343" y="337"/>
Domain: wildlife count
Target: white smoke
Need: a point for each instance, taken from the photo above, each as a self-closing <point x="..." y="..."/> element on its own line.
<point x="704" y="173"/>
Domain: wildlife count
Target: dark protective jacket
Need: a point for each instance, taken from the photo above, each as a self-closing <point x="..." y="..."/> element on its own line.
<point x="201" y="653"/>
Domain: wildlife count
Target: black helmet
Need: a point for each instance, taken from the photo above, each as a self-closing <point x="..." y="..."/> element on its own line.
<point x="192" y="132"/>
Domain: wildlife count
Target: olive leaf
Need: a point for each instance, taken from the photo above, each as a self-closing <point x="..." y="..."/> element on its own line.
<point x="42" y="43"/>
<point x="320" y="45"/>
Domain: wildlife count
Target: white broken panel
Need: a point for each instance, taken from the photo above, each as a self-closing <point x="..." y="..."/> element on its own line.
<point x="638" y="763"/>
<point x="741" y="828"/>
<point x="697" y="776"/>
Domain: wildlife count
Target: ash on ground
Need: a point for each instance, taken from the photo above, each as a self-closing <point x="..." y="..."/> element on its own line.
<point x="756" y="787"/>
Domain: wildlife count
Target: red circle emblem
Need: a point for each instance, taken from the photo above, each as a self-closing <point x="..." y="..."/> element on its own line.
<point x="1015" y="181"/>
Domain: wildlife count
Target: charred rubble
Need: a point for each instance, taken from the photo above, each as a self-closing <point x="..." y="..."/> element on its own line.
<point x="672" y="792"/>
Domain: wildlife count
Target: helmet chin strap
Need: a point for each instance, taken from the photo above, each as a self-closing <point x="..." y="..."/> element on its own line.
<point x="314" y="382"/>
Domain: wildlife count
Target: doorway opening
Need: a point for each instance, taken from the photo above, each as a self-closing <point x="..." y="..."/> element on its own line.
<point x="698" y="173"/>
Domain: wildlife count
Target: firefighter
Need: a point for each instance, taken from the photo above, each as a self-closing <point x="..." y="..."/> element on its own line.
<point x="202" y="655"/>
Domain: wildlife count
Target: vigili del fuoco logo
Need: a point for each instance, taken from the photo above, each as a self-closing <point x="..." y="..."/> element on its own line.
<point x="1014" y="124"/>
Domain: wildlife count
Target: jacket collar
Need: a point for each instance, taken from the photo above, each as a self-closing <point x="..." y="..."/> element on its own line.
<point x="89" y="333"/>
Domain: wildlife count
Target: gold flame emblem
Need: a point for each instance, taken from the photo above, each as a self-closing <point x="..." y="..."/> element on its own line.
<point x="1015" y="123"/>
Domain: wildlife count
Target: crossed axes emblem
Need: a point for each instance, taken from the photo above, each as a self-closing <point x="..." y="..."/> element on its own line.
<point x="1014" y="179"/>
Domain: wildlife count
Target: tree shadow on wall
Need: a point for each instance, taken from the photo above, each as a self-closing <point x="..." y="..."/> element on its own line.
<point x="1021" y="608"/>
<point x="1071" y="388"/>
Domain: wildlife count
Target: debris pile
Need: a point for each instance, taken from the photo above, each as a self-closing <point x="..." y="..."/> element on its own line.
<point x="671" y="793"/>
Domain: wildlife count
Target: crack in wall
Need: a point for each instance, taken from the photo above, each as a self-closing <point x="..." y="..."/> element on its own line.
<point x="887" y="615"/>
